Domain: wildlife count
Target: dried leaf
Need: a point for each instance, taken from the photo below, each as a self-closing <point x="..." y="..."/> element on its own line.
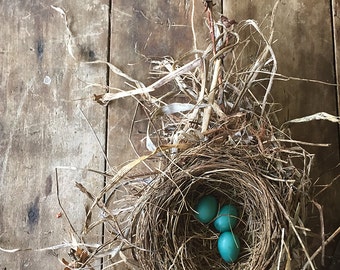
<point x="316" y="116"/>
<point x="149" y="144"/>
<point x="178" y="107"/>
<point x="82" y="254"/>
<point x="65" y="262"/>
<point x="142" y="90"/>
<point x="120" y="73"/>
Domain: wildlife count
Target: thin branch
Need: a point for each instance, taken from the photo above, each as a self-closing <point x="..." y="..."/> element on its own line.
<point x="61" y="206"/>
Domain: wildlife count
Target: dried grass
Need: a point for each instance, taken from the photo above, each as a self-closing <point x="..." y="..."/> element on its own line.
<point x="265" y="187"/>
<point x="215" y="133"/>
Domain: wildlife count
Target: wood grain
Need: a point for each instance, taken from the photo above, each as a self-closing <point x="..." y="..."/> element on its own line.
<point x="43" y="100"/>
<point x="336" y="37"/>
<point x="304" y="49"/>
<point x="143" y="31"/>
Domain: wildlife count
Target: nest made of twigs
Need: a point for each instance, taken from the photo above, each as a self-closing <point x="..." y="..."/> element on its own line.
<point x="264" y="185"/>
<point x="220" y="142"/>
<point x="215" y="137"/>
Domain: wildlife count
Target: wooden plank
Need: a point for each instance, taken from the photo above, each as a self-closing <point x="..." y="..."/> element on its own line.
<point x="143" y="31"/>
<point x="304" y="49"/>
<point x="43" y="91"/>
<point x="336" y="38"/>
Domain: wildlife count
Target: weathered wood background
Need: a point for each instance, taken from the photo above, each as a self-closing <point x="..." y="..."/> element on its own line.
<point x="51" y="129"/>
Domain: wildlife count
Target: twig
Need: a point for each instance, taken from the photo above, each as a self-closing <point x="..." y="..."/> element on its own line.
<point x="130" y="134"/>
<point x="316" y="253"/>
<point x="325" y="187"/>
<point x="61" y="206"/>
<point x="281" y="248"/>
<point x="209" y="6"/>
<point x="309" y="258"/>
<point x="322" y="232"/>
<point x="285" y="78"/>
<point x="274" y="68"/>
<point x="194" y="37"/>
<point x="107" y="97"/>
<point x="211" y="96"/>
<point x="217" y="66"/>
<point x="304" y="143"/>
<point x="97" y="139"/>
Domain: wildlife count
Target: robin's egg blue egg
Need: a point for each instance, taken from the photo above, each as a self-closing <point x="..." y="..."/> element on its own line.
<point x="226" y="218"/>
<point x="206" y="209"/>
<point x="228" y="246"/>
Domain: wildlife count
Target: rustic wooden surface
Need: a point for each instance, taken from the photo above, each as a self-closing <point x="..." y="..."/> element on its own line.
<point x="41" y="126"/>
<point x="336" y="37"/>
<point x="143" y="31"/>
<point x="304" y="49"/>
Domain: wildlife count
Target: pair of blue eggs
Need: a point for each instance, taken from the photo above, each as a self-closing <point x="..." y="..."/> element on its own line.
<point x="225" y="220"/>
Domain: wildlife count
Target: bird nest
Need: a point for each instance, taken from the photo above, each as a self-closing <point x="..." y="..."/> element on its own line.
<point x="214" y="134"/>
<point x="264" y="185"/>
<point x="215" y="137"/>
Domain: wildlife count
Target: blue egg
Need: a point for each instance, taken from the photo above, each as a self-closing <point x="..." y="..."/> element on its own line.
<point x="226" y="218"/>
<point x="228" y="246"/>
<point x="206" y="209"/>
